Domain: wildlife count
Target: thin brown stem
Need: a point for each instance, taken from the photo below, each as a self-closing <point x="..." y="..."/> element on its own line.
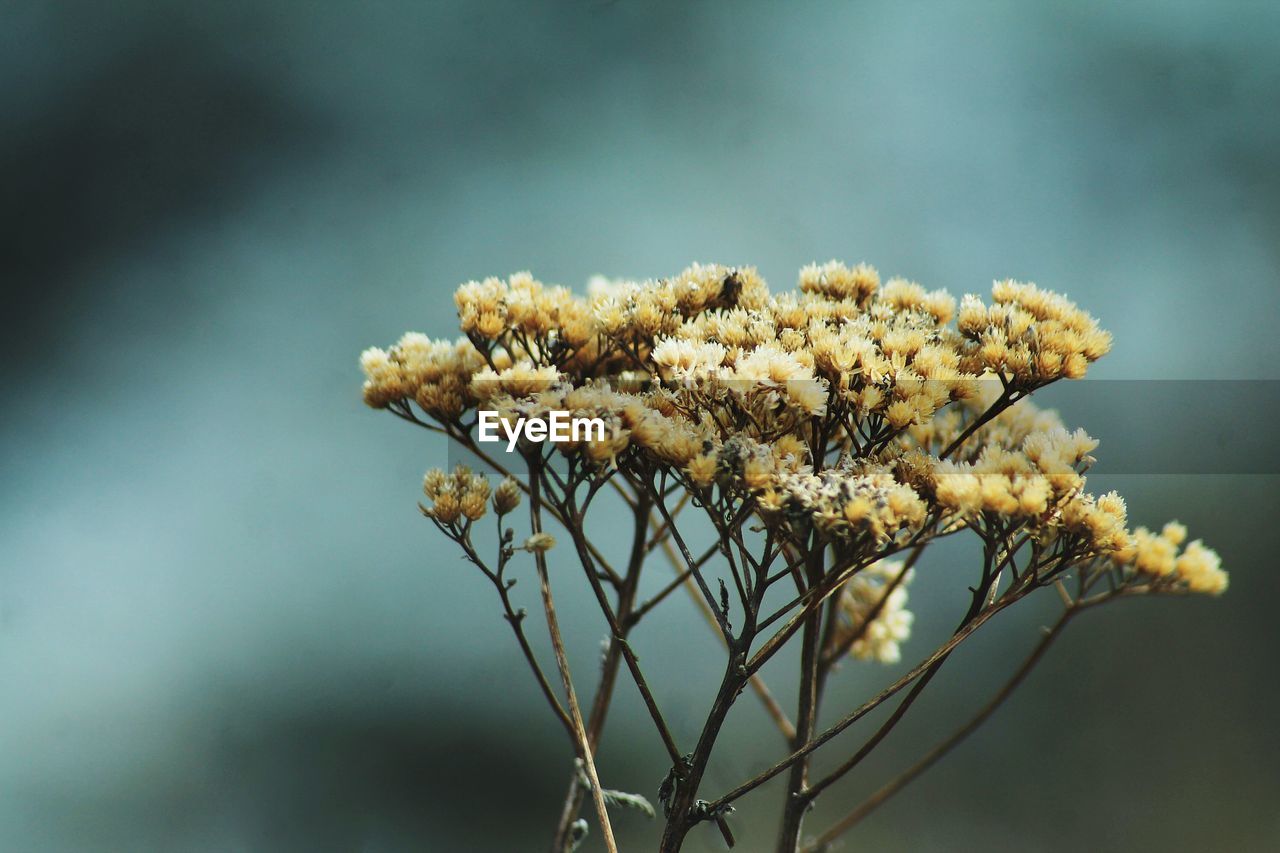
<point x="983" y="597"/>
<point x="562" y="662"/>
<point x="1006" y="399"/>
<point x="619" y="635"/>
<point x="662" y="532"/>
<point x="795" y="803"/>
<point x="683" y="578"/>
<point x="605" y="689"/>
<point x="867" y="707"/>
<point x="941" y="749"/>
<point x="515" y="618"/>
<point x="722" y="620"/>
<point x="685" y="809"/>
<point x="881" y="733"/>
<point x="756" y="682"/>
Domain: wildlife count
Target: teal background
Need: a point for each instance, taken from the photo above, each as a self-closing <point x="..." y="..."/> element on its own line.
<point x="224" y="626"/>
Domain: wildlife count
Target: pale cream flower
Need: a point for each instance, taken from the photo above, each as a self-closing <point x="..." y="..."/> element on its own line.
<point x="877" y="592"/>
<point x="540" y="543"/>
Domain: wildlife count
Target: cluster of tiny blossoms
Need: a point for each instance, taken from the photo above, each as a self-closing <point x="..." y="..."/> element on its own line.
<point x="874" y="616"/>
<point x="862" y="415"/>
<point x="457" y="496"/>
<point x="1158" y="555"/>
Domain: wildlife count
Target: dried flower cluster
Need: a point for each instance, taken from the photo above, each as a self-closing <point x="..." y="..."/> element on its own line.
<point x="819" y="432"/>
<point x="873" y="604"/>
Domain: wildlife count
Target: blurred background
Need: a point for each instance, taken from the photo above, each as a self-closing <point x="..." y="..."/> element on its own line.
<point x="225" y="627"/>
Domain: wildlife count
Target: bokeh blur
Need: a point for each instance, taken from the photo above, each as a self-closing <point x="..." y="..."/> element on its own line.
<point x="224" y="626"/>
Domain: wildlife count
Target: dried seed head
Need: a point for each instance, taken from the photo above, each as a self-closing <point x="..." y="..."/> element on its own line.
<point x="540" y="543"/>
<point x="507" y="496"/>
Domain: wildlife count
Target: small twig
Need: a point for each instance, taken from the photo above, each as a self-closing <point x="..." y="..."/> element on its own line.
<point x="757" y="683"/>
<point x="721" y="620"/>
<point x="661" y="533"/>
<point x="1006" y="399"/>
<point x="515" y="618"/>
<point x="867" y="707"/>
<point x="562" y="662"/>
<point x="626" y="595"/>
<point x="675" y="583"/>
<point x="941" y="749"/>
<point x="618" y="634"/>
